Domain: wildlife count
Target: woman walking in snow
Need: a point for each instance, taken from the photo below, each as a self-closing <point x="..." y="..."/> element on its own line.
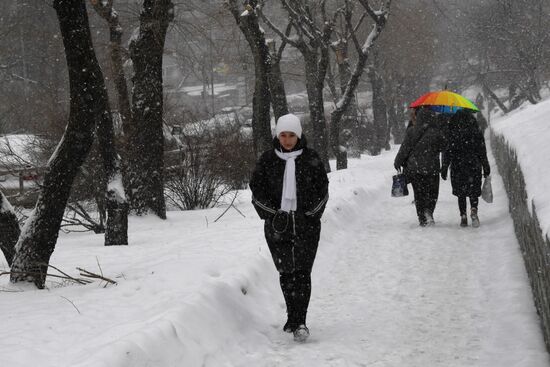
<point x="289" y="191"/>
<point x="467" y="157"/>
<point x="418" y="156"/>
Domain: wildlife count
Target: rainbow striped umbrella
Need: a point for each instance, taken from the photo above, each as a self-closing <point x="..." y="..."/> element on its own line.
<point x="448" y="102"/>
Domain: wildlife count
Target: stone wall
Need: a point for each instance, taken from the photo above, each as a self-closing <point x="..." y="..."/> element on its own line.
<point x="534" y="245"/>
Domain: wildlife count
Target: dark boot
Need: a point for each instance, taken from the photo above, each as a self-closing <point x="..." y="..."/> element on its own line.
<point x="288" y="287"/>
<point x="291" y="323"/>
<point x="463" y="220"/>
<point x="422" y="221"/>
<point x="475" y="218"/>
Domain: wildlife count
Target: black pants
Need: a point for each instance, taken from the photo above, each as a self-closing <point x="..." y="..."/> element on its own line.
<point x="293" y="256"/>
<point x="426" y="192"/>
<point x="474" y="201"/>
<point x="296" y="289"/>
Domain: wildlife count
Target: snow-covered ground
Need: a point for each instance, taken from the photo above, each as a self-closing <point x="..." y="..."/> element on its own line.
<point x="194" y="292"/>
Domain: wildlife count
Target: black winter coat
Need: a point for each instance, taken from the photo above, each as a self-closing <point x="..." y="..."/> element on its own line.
<point x="304" y="226"/>
<point x="419" y="153"/>
<point x="466" y="155"/>
<point x="311" y="183"/>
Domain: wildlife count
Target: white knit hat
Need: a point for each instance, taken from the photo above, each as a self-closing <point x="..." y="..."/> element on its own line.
<point x="290" y="123"/>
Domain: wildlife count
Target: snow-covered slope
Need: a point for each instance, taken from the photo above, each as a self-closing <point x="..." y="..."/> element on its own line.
<point x="527" y="130"/>
<point x="192" y="292"/>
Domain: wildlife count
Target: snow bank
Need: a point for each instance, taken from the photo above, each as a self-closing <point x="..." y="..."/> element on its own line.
<point x="233" y="305"/>
<point x="527" y="131"/>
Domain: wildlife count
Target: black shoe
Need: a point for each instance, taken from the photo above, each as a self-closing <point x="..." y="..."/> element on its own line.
<point x="475" y="218"/>
<point x="463" y="220"/>
<point x="290" y="326"/>
<point x="301" y="333"/>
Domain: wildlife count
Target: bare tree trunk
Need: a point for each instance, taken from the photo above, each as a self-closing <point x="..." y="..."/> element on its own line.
<point x="261" y="116"/>
<point x="392" y="119"/>
<point x="277" y="87"/>
<point x="387" y="139"/>
<point x="331" y="84"/>
<point x="146" y="143"/>
<point x="268" y="86"/>
<point x="107" y="12"/>
<point x="396" y="120"/>
<point x="338" y="149"/>
<point x="314" y="87"/>
<point x="36" y="245"/>
<point x="378" y="110"/>
<point x="261" y="101"/>
<point x="117" y="205"/>
<point x="337" y="127"/>
<point x="116" y="232"/>
<point x="9" y="229"/>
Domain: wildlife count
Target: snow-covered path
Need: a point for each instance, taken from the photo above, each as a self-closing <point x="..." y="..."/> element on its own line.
<point x="395" y="294"/>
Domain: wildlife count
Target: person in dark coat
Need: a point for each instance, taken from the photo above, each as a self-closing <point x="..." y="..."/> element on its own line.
<point x="418" y="156"/>
<point x="290" y="191"/>
<point x="467" y="157"/>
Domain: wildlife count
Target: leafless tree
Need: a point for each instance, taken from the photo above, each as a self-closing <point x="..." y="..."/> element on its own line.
<point x="145" y="172"/>
<point x="379" y="18"/>
<point x="313" y="28"/>
<point x="117" y="205"/>
<point x="341" y="133"/>
<point x="247" y="21"/>
<point x="37" y="243"/>
<point x="499" y="45"/>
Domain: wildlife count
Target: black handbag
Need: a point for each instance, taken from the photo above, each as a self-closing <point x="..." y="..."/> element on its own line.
<point x="399" y="186"/>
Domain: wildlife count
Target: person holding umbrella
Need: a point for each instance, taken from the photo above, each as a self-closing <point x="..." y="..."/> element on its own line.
<point x="466" y="155"/>
<point x="419" y="158"/>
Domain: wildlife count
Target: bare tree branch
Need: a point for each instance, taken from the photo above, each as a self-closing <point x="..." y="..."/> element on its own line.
<point x="89" y="274"/>
<point x="284" y="36"/>
<point x="71" y="302"/>
<point x="284" y="42"/>
<point x="311" y="32"/>
<point x="351" y="30"/>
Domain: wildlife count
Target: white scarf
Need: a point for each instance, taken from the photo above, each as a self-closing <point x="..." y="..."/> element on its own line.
<point x="288" y="198"/>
